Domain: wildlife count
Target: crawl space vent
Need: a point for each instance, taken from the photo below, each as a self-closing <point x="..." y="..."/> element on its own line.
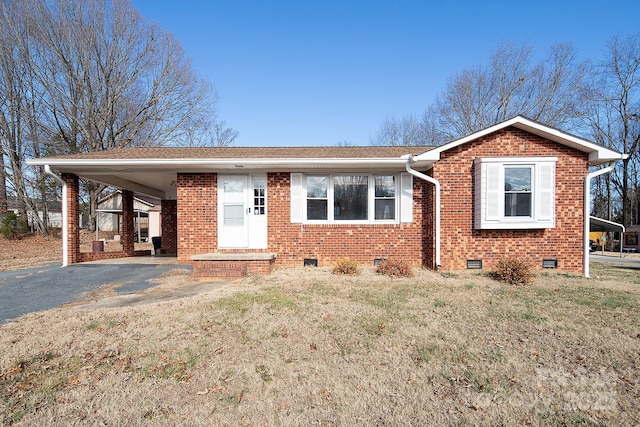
<point x="310" y="262"/>
<point x="474" y="264"/>
<point x="550" y="263"/>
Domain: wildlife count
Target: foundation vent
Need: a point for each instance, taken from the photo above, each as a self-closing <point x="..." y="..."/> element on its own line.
<point x="474" y="264"/>
<point x="310" y="262"/>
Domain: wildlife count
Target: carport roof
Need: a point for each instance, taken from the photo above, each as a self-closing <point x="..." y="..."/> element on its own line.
<point x="599" y="224"/>
<point x="152" y="170"/>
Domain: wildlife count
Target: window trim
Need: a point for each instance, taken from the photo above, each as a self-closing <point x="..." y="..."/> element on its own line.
<point x="331" y="200"/>
<point x="490" y="197"/>
<point x="403" y="186"/>
<point x="532" y="178"/>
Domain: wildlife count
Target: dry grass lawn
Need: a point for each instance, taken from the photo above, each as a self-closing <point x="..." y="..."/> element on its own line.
<point x="306" y="347"/>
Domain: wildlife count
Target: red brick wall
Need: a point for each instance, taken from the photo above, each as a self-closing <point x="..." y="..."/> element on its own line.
<point x="169" y="221"/>
<point x="128" y="245"/>
<point x="197" y="214"/>
<point x="459" y="240"/>
<point x="328" y="243"/>
<point x="197" y="229"/>
<point x="73" y="215"/>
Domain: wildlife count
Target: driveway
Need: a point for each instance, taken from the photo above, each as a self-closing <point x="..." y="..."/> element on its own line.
<point x="629" y="261"/>
<point x="49" y="286"/>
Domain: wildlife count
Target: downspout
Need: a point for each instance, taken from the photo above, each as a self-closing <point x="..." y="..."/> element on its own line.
<point x="65" y="217"/>
<point x="436" y="184"/>
<point x="587" y="206"/>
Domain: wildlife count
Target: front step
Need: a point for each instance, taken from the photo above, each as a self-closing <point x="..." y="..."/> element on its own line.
<point x="233" y="264"/>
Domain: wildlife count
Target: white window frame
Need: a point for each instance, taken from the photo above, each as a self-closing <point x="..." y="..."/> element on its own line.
<point x="490" y="193"/>
<point x="532" y="177"/>
<point x="403" y="198"/>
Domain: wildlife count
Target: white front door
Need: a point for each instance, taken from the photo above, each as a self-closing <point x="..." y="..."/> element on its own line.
<point x="242" y="211"/>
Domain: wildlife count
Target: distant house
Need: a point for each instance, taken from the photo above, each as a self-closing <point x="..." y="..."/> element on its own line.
<point x="146" y="218"/>
<point x="518" y="188"/>
<point x="631" y="239"/>
<point x="54" y="211"/>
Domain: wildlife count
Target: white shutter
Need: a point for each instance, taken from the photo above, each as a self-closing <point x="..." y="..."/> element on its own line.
<point x="493" y="202"/>
<point x="546" y="193"/>
<point x="406" y="197"/>
<point x="478" y="214"/>
<point x="296" y="198"/>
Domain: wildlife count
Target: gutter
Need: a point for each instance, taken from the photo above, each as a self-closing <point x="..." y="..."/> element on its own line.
<point x="436" y="184"/>
<point x="587" y="207"/>
<point x="65" y="216"/>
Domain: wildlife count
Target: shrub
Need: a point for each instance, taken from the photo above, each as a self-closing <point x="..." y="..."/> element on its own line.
<point x="346" y="266"/>
<point x="514" y="271"/>
<point x="394" y="268"/>
<point x="54" y="231"/>
<point x="13" y="227"/>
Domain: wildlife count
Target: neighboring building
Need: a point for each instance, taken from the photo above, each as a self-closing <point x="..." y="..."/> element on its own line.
<point x="516" y="189"/>
<point x="53" y="209"/>
<point x="631" y="239"/>
<point x="146" y="219"/>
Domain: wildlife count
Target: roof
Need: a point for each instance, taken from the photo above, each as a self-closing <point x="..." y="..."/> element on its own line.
<point x="238" y="153"/>
<point x="598" y="154"/>
<point x="599" y="224"/>
<point x="152" y="170"/>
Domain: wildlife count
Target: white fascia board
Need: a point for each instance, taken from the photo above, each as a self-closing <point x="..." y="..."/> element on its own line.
<point x="597" y="153"/>
<point x="177" y="164"/>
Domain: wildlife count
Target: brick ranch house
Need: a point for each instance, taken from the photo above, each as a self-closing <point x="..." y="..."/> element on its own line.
<point x="518" y="188"/>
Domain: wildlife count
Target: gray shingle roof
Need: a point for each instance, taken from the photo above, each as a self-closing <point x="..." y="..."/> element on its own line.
<point x="142" y="153"/>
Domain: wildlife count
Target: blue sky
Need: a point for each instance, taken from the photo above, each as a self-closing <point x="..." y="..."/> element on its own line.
<point x="296" y="73"/>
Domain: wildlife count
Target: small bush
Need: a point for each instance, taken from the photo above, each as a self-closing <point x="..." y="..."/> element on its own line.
<point x="514" y="271"/>
<point x="54" y="231"/>
<point x="395" y="268"/>
<point x="346" y="266"/>
<point x="13" y="227"/>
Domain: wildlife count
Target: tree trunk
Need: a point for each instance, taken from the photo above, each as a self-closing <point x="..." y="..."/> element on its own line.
<point x="4" y="204"/>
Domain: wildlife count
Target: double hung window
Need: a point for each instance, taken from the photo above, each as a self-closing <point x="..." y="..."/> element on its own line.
<point x="515" y="193"/>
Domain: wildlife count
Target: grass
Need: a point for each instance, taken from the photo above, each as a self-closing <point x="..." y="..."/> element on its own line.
<point x="304" y="347"/>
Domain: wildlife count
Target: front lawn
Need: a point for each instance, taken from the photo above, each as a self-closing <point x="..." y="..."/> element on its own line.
<point x="306" y="347"/>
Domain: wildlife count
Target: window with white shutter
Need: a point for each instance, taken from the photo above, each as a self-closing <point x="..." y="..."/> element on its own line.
<point x="515" y="192"/>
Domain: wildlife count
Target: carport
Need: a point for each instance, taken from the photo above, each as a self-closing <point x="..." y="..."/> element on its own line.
<point x="599" y="224"/>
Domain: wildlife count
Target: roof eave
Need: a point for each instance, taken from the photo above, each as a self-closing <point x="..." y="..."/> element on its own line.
<point x="597" y="154"/>
<point x="275" y="164"/>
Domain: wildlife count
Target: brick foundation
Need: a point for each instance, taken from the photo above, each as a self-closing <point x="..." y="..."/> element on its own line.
<point x="231" y="268"/>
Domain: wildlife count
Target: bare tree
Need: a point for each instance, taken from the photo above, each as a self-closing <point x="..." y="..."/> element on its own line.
<point x="613" y="117"/>
<point x="101" y="77"/>
<point x="405" y="131"/>
<point x="511" y="84"/>
<point x="212" y="134"/>
<point x="16" y="114"/>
